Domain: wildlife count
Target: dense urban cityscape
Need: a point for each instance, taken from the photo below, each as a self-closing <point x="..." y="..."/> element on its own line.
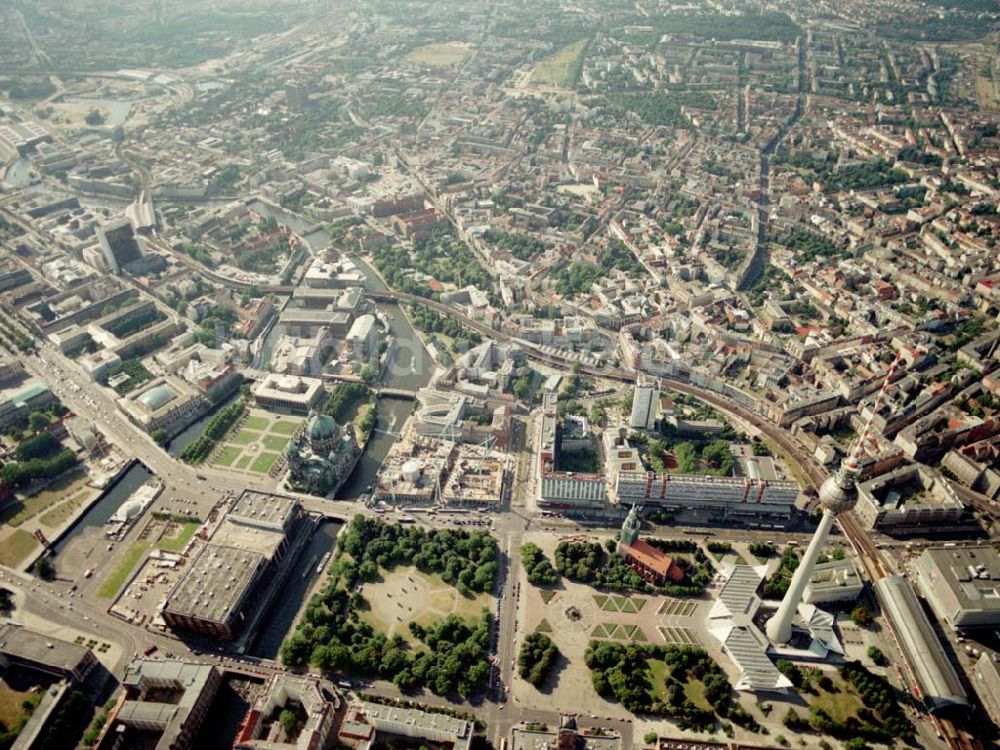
<point x="397" y="375"/>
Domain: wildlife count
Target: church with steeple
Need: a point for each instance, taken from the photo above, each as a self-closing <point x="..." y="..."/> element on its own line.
<point x="652" y="564"/>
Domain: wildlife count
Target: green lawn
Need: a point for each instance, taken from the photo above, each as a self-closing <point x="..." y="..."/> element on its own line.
<point x="245" y="437"/>
<point x="543" y="627"/>
<point x="561" y="69"/>
<point x="242" y="462"/>
<point x="19" y="511"/>
<point x="547" y="595"/>
<point x="176" y="544"/>
<point x="694" y="691"/>
<point x="284" y="427"/>
<point x="257" y="423"/>
<point x="263" y="463"/>
<point x="275" y="442"/>
<point x="618" y="631"/>
<point x="227" y="455"/>
<point x="16" y="705"/>
<point x="658" y="677"/>
<point x="438" y="55"/>
<point x="16" y="547"/>
<point x="61" y="513"/>
<point x="600" y="599"/>
<point x="841" y="704"/>
<point x="114" y="582"/>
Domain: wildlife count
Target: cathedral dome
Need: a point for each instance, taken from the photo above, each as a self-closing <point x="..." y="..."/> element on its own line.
<point x="321" y="428"/>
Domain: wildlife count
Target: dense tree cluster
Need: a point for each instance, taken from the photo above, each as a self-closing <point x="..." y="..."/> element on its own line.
<point x="344" y="399"/>
<point x="865" y="177"/>
<point x="652" y="107"/>
<point x="199" y="252"/>
<point x="449" y="260"/>
<point x="522" y="385"/>
<point x="881" y="720"/>
<point x="713" y="458"/>
<point x="39" y="456"/>
<point x="771" y="26"/>
<point x="538" y="656"/>
<point x="262" y="259"/>
<point x="809" y="245"/>
<point x="134" y="321"/>
<point x="431" y="321"/>
<point x="619" y="257"/>
<point x="217" y="323"/>
<point x="440" y="256"/>
<point x="948" y="28"/>
<point x="621" y="672"/>
<point x="776" y="586"/>
<point x="37" y="446"/>
<point x="24" y="87"/>
<point x="861" y="615"/>
<point x="332" y="636"/>
<point x="65" y="727"/>
<point x="464" y="559"/>
<point x="521" y="246"/>
<point x="762" y="549"/>
<point x="136" y="371"/>
<point x="198" y="450"/>
<point x="577" y="277"/>
<point x="586" y="562"/>
<point x="876" y="655"/>
<point x="537" y="566"/>
<point x="13" y="335"/>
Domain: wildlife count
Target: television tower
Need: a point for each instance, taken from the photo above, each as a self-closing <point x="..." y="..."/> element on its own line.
<point x="839" y="494"/>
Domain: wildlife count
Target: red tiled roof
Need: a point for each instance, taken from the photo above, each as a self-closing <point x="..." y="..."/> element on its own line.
<point x="650" y="557"/>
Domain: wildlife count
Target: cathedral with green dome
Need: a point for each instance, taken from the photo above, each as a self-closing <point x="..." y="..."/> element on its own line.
<point x="322" y="455"/>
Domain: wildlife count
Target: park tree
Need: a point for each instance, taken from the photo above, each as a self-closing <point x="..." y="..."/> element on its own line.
<point x="44" y="569"/>
<point x="861" y="615"/>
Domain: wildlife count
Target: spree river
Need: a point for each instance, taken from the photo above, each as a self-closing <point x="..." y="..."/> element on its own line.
<point x="410" y="369"/>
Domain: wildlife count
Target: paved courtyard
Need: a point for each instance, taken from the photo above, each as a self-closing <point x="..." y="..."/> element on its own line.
<point x="573" y="614"/>
<point x="406" y="595"/>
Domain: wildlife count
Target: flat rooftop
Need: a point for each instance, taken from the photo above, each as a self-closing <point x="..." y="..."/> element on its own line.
<point x="377" y="713"/>
<point x="971" y="573"/>
<point x="299" y="315"/>
<point x="185" y="682"/>
<point x="215" y="583"/>
<point x="27" y="645"/>
<point x="263" y="509"/>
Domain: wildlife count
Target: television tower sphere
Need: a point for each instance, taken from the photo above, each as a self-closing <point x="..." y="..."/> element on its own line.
<point x="839" y="493"/>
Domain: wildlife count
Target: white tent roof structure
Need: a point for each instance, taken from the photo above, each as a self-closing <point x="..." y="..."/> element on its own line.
<point x="731" y="622"/>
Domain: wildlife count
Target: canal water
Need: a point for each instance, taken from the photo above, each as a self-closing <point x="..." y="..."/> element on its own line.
<point x="278" y="622"/>
<point x="410" y="369"/>
<point x="106" y="506"/>
<point x="318" y="239"/>
<point x="193" y="431"/>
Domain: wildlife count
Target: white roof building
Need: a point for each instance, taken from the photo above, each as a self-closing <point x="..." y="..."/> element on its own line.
<point x="733" y="622"/>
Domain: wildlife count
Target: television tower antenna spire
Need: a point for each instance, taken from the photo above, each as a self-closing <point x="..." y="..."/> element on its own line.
<point x="839" y="494"/>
